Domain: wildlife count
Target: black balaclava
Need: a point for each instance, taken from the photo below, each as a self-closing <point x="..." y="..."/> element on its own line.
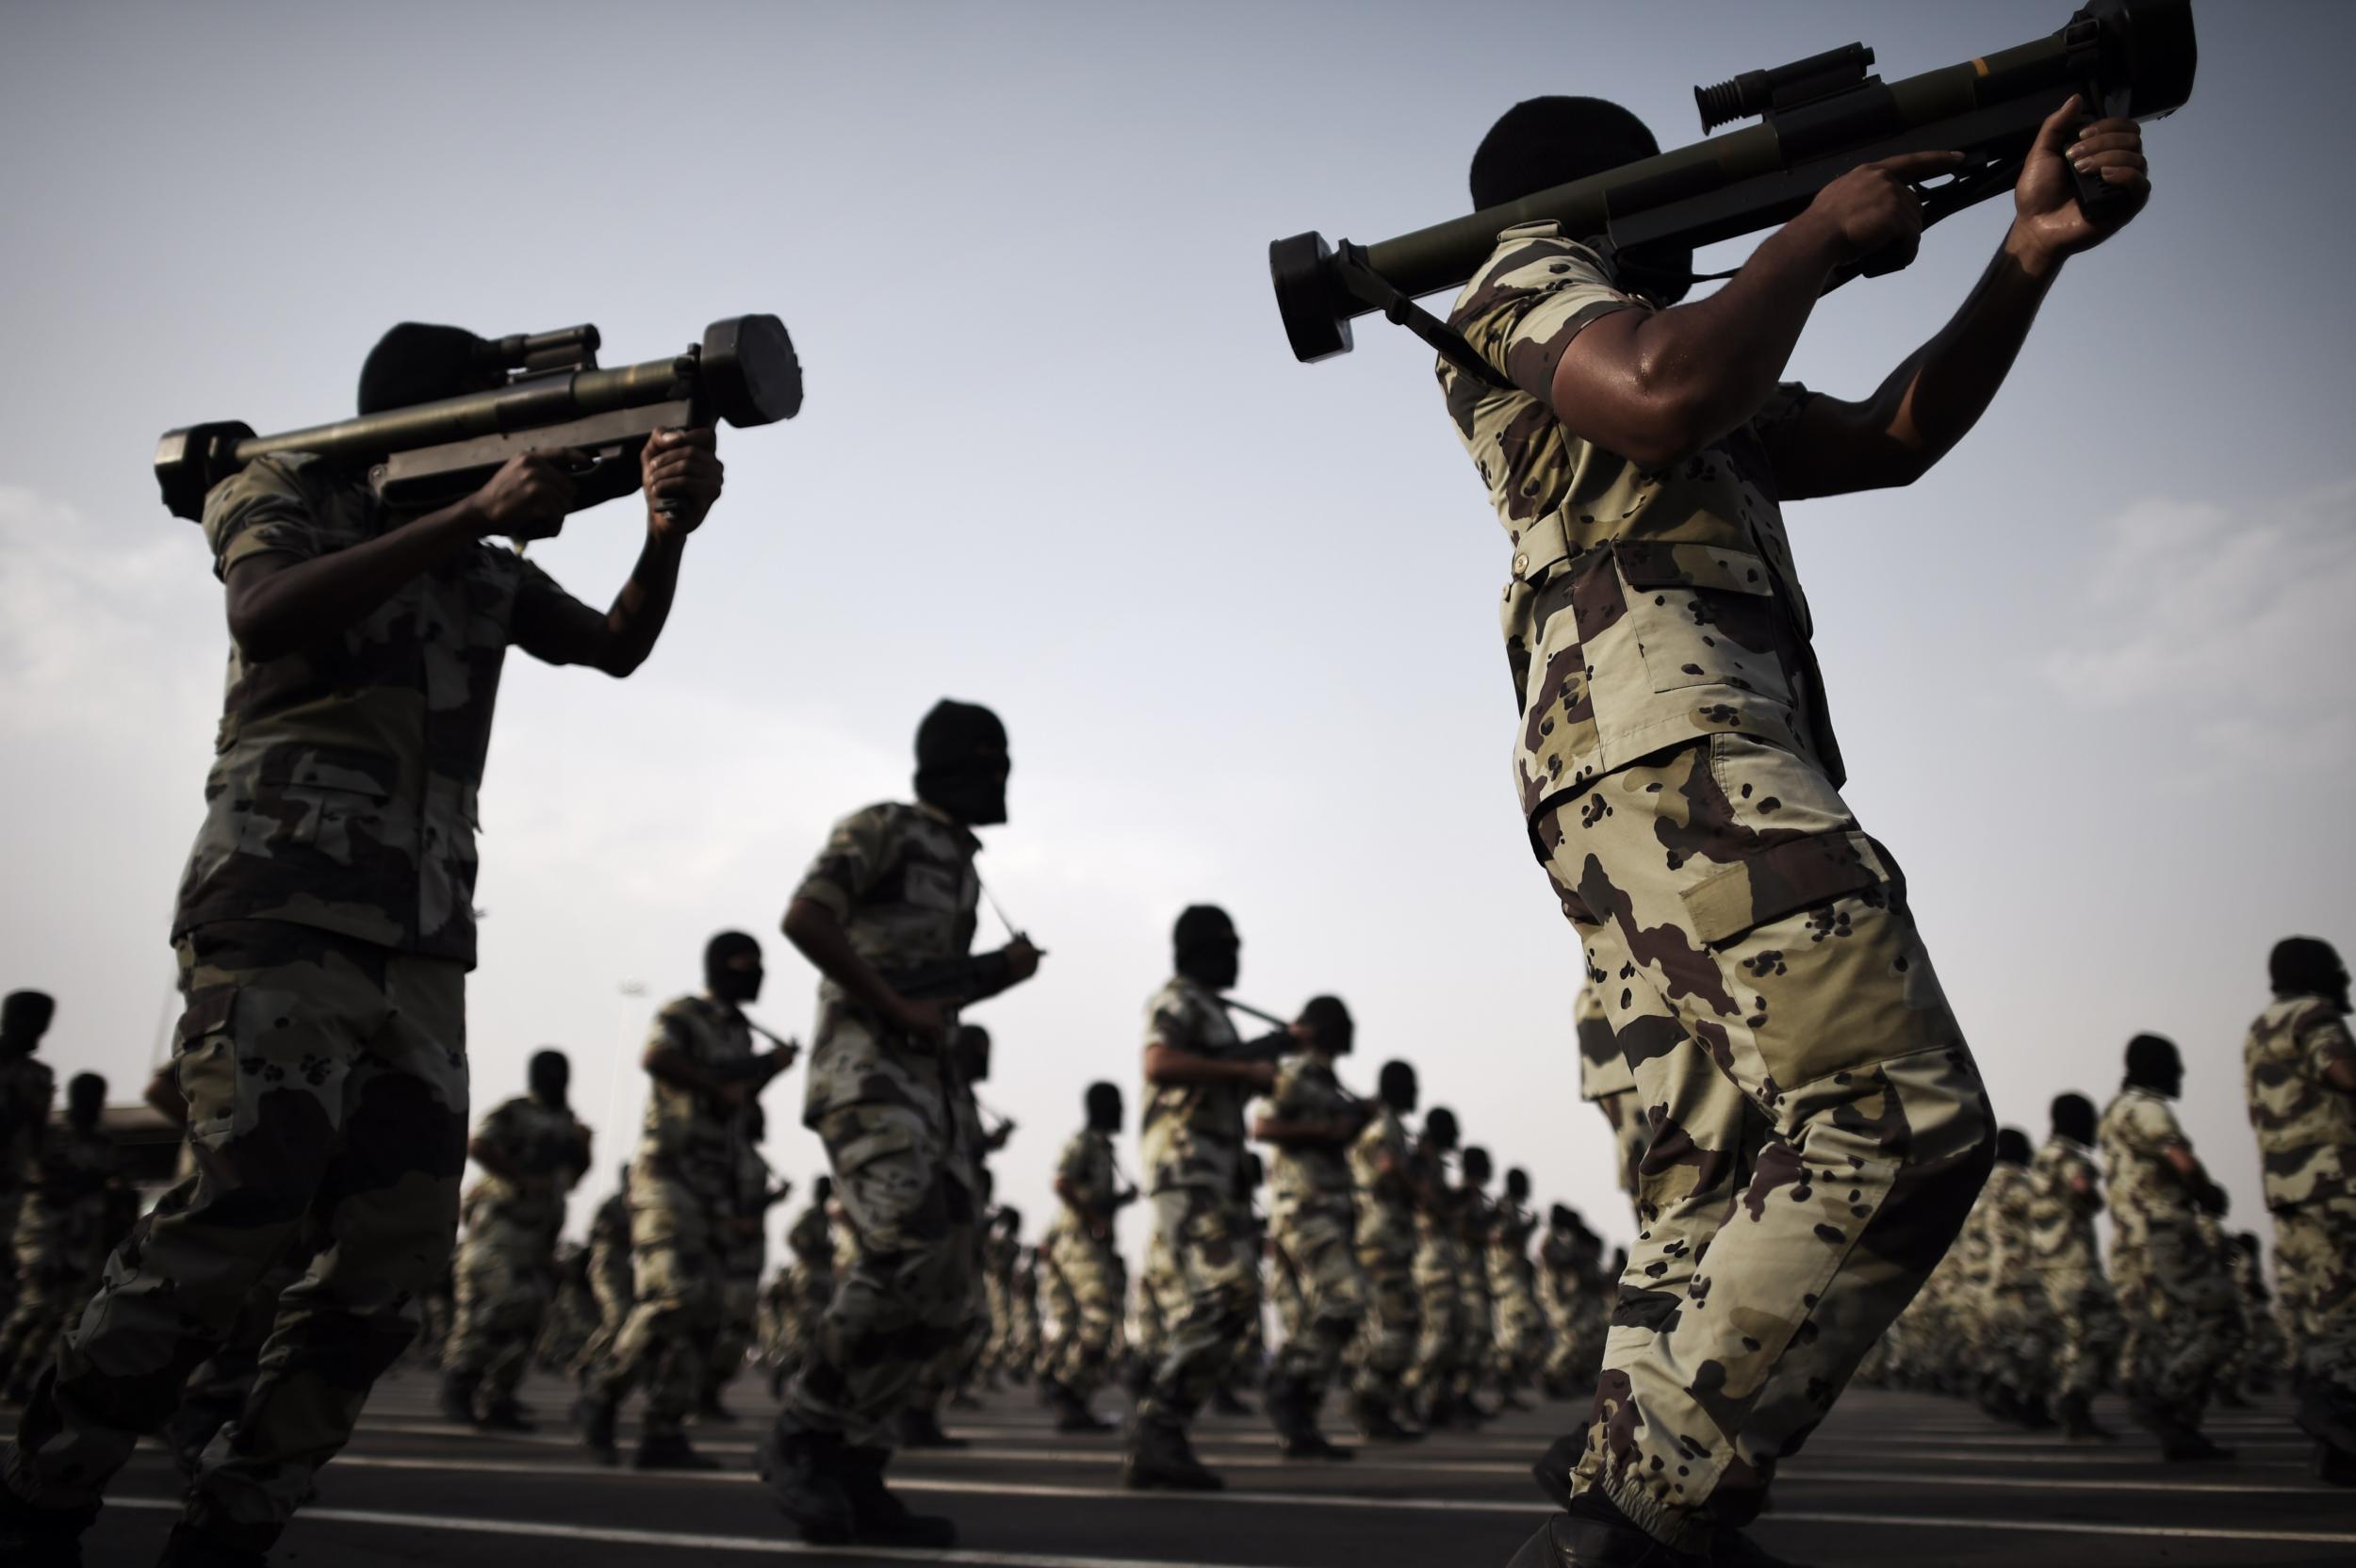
<point x="549" y="1075"/>
<point x="2247" y="1242"/>
<point x="1542" y="142"/>
<point x="1330" y="1020"/>
<point x="1517" y="1184"/>
<point x="2308" y="966"/>
<point x="1562" y="1218"/>
<point x="1439" y="1128"/>
<point x="972" y="1053"/>
<point x="1249" y="1174"/>
<point x="2073" y="1118"/>
<point x="2153" y="1063"/>
<point x="1103" y="1107"/>
<point x="416" y="363"/>
<point x="23" y="1018"/>
<point x="1011" y="1221"/>
<point x="84" y="1100"/>
<point x="1206" y="948"/>
<point x="732" y="972"/>
<point x="1477" y="1167"/>
<point x="823" y="1191"/>
<point x="1398" y="1088"/>
<point x="962" y="763"/>
<point x="2012" y="1146"/>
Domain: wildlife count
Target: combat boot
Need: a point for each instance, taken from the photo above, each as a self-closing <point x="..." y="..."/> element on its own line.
<point x="2187" y="1446"/>
<point x="505" y="1415"/>
<point x="1226" y="1401"/>
<point x="1594" y="1534"/>
<point x="188" y="1548"/>
<point x="804" y="1472"/>
<point x="921" y="1429"/>
<point x="1290" y="1412"/>
<point x="1160" y="1456"/>
<point x="41" y="1537"/>
<point x="710" y="1411"/>
<point x="669" y="1451"/>
<point x="2078" y="1422"/>
<point x="1072" y="1411"/>
<point x="1376" y="1423"/>
<point x="879" y="1517"/>
<point x="593" y="1417"/>
<point x="457" y="1398"/>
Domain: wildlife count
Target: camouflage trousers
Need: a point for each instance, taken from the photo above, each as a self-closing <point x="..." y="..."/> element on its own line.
<point x="809" y="1291"/>
<point x="326" y="1084"/>
<point x="1630" y="1133"/>
<point x="504" y="1288"/>
<point x="736" y="1326"/>
<point x="2014" y="1338"/>
<point x="2088" y="1330"/>
<point x="675" y="1299"/>
<point x="2166" y="1283"/>
<point x="59" y="1255"/>
<point x="2315" y="1258"/>
<point x="1476" y="1329"/>
<point x="1439" y="1309"/>
<point x="1155" y="1306"/>
<point x="1819" y="1128"/>
<point x="1321" y="1240"/>
<point x="1520" y="1333"/>
<point x="1578" y="1317"/>
<point x="611" y="1281"/>
<point x="1392" y="1325"/>
<point x="903" y="1302"/>
<point x="1214" y="1284"/>
<point x="1088" y="1283"/>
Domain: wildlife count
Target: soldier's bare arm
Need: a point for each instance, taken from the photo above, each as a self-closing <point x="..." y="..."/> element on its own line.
<point x="278" y="603"/>
<point x="679" y="468"/>
<point x="1931" y="402"/>
<point x="1659" y="385"/>
<point x="1166" y="1064"/>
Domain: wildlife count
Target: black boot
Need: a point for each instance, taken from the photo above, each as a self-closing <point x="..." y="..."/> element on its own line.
<point x="2078" y="1422"/>
<point x="921" y="1429"/>
<point x="669" y="1451"/>
<point x="185" y="1549"/>
<point x="1072" y="1411"/>
<point x="1159" y="1456"/>
<point x="1376" y="1423"/>
<point x="1291" y="1412"/>
<point x="593" y="1417"/>
<point x="879" y="1517"/>
<point x="804" y="1472"/>
<point x="1731" y="1548"/>
<point x="709" y="1412"/>
<point x="2032" y="1414"/>
<point x="457" y="1398"/>
<point x="1594" y="1534"/>
<point x="2334" y="1467"/>
<point x="41" y="1537"/>
<point x="2186" y="1445"/>
<point x="1226" y="1401"/>
<point x="505" y="1415"/>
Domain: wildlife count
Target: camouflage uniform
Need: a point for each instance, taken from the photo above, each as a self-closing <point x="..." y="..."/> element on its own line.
<point x="1438" y="1273"/>
<point x="506" y="1268"/>
<point x="1087" y="1270"/>
<point x="1475" y="1313"/>
<point x="2011" y="1333"/>
<point x="26" y="1089"/>
<point x="1607" y="1081"/>
<point x="2162" y="1267"/>
<point x="2307" y="1145"/>
<point x="1520" y="1326"/>
<point x="1027" y="1351"/>
<point x="809" y="1284"/>
<point x="743" y="1257"/>
<point x="324" y="928"/>
<point x="1681" y="781"/>
<point x="1314" y="1224"/>
<point x="682" y="1197"/>
<point x="1154" y="1307"/>
<point x="60" y="1243"/>
<point x="2064" y="1197"/>
<point x="900" y="880"/>
<point x="1193" y="1152"/>
<point x="1378" y="1163"/>
<point x="610" y="1279"/>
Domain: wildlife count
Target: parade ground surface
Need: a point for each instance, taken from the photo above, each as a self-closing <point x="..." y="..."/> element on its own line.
<point x="1892" y="1479"/>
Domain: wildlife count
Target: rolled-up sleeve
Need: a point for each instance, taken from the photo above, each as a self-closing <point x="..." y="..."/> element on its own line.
<point x="1531" y="300"/>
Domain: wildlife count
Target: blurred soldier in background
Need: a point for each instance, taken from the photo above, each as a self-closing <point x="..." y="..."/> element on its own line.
<point x="27" y="1090"/>
<point x="1606" y="1080"/>
<point x="1521" y="1328"/>
<point x="1476" y="1312"/>
<point x="1383" y="1172"/>
<point x="1439" y="1270"/>
<point x="2065" y="1195"/>
<point x="610" y="1279"/>
<point x="532" y="1154"/>
<point x="2008" y="1342"/>
<point x="743" y="1256"/>
<point x="63" y="1233"/>
<point x="808" y="1281"/>
<point x="1088" y="1264"/>
<point x="2300" y="1070"/>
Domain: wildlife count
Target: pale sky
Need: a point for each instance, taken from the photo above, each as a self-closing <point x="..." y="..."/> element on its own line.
<point x="1238" y="614"/>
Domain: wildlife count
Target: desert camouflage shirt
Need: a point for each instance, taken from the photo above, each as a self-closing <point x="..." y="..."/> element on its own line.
<point x="1386" y="1203"/>
<point x="1088" y="1168"/>
<point x="1307" y="1089"/>
<point x="2306" y="1127"/>
<point x="71" y="1170"/>
<point x="343" y="788"/>
<point x="690" y="1136"/>
<point x="1511" y="1227"/>
<point x="1645" y="608"/>
<point x="27" y="1087"/>
<point x="2143" y="1191"/>
<point x="900" y="879"/>
<point x="2001" y="1214"/>
<point x="2061" y="1215"/>
<point x="1602" y="1069"/>
<point x="811" y="1240"/>
<point x="1193" y="1133"/>
<point x="549" y="1151"/>
<point x="609" y="1228"/>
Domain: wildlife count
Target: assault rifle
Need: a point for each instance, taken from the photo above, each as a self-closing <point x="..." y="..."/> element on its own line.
<point x="430" y="454"/>
<point x="1818" y="118"/>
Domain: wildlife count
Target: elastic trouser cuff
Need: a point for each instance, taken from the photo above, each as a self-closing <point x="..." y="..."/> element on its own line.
<point x="1679" y="1529"/>
<point x="25" y="1485"/>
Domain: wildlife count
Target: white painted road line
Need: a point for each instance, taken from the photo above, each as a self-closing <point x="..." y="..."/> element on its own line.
<point x="2065" y="1527"/>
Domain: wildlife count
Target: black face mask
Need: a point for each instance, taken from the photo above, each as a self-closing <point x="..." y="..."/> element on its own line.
<point x="1398" y="1088"/>
<point x="24" y="1018"/>
<point x="417" y="363"/>
<point x="732" y="972"/>
<point x="2073" y="1118"/>
<point x="1103" y="1108"/>
<point x="2309" y="966"/>
<point x="1518" y="1185"/>
<point x="1335" y="1032"/>
<point x="2153" y="1063"/>
<point x="1439" y="1129"/>
<point x="549" y="1076"/>
<point x="962" y="764"/>
<point x="84" y="1100"/>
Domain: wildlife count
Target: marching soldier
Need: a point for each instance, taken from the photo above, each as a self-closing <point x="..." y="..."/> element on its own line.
<point x="2065" y="1195"/>
<point x="1438" y="1273"/>
<point x="1383" y="1172"/>
<point x="27" y="1090"/>
<point x="1087" y="1265"/>
<point x="61" y="1232"/>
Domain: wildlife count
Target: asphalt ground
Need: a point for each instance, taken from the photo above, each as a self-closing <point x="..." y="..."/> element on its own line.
<point x="1891" y="1480"/>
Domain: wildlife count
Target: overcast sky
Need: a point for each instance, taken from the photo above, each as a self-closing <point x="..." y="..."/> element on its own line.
<point x="1238" y="614"/>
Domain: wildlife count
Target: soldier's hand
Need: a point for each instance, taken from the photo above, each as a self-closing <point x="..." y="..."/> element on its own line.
<point x="528" y="496"/>
<point x="682" y="470"/>
<point x="924" y="1020"/>
<point x="1873" y="210"/>
<point x="2045" y="201"/>
<point x="1022" y="958"/>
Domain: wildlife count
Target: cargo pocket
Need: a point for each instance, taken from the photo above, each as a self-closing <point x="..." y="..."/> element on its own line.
<point x="204" y="1065"/>
<point x="325" y="798"/>
<point x="1704" y="616"/>
<point x="1781" y="880"/>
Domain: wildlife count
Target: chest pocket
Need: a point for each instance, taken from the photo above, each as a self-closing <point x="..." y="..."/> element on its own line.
<point x="332" y="799"/>
<point x="936" y="887"/>
<point x="1705" y="616"/>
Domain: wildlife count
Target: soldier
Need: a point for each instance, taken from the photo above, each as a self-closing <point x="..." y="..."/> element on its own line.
<point x="2266" y="1354"/>
<point x="1476" y="1312"/>
<point x="2009" y="1339"/>
<point x="2065" y="1195"/>
<point x="1438" y="1273"/>
<point x="1382" y="1174"/>
<point x="324" y="928"/>
<point x="1312" y="1121"/>
<point x="2300" y="1068"/>
<point x="1571" y="1290"/>
<point x="61" y="1232"/>
<point x="890" y="902"/>
<point x="703" y="1076"/>
<point x="1513" y="1286"/>
<point x="1028" y="1330"/>
<point x="1087" y="1265"/>
<point x="27" y="1089"/>
<point x="941" y="1383"/>
<point x="609" y="1279"/>
<point x="809" y="1282"/>
<point x="1681" y="781"/>
<point x="1002" y="1254"/>
<point x="1198" y="1075"/>
<point x="1607" y="1081"/>
<point x="743" y="1256"/>
<point x="532" y="1154"/>
<point x="2155" y="1187"/>
<point x="1152" y="1310"/>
